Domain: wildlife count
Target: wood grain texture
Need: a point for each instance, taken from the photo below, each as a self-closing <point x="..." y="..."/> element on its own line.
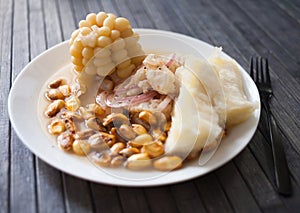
<point x="133" y="200"/>
<point x="242" y="28"/>
<point x="105" y="198"/>
<point x="233" y="185"/>
<point x="22" y="162"/>
<point x="187" y="197"/>
<point x="212" y="194"/>
<point x="48" y="179"/>
<point x="160" y="199"/>
<point x="6" y="15"/>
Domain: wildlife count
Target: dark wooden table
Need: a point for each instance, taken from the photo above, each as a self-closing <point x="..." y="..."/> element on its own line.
<point x="243" y="28"/>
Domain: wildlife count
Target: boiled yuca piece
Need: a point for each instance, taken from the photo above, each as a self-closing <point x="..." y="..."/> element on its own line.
<point x="209" y="79"/>
<point x="238" y="107"/>
<point x="194" y="120"/>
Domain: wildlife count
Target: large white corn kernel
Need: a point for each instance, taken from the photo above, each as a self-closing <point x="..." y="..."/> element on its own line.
<point x="102" y="61"/>
<point x="75" y="34"/>
<point x="124" y="64"/>
<point x="90" y="40"/>
<point x="103" y="41"/>
<point x="126" y="33"/>
<point x="118" y="44"/>
<point x="126" y="72"/>
<point x="91" y="19"/>
<point x="90" y="70"/>
<point x="111" y="15"/>
<point x="101" y="16"/>
<point x="76" y="61"/>
<point x="122" y="24"/>
<point x="88" y="52"/>
<point x="83" y="23"/>
<point x="135" y="50"/>
<point x="115" y="34"/>
<point x="119" y="56"/>
<point x="109" y="22"/>
<point x="131" y="41"/>
<point x="105" y="70"/>
<point x="85" y="31"/>
<point x="75" y="52"/>
<point x="78" y="68"/>
<point x="104" y="31"/>
<point x="102" y="52"/>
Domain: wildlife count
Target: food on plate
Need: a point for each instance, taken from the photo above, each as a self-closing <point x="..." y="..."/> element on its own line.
<point x="105" y="43"/>
<point x="238" y="107"/>
<point x="123" y="107"/>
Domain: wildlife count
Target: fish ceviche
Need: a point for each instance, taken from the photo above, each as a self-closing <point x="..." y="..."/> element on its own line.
<point x="128" y="108"/>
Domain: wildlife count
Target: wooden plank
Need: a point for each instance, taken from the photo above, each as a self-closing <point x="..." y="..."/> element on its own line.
<point x="212" y="194"/>
<point x="133" y="200"/>
<point x="108" y="6"/>
<point x="141" y="17"/>
<point x="160" y="199"/>
<point x="157" y="17"/>
<point x="74" y="186"/>
<point x="105" y="198"/>
<point x="266" y="14"/>
<point x="187" y="197"/>
<point x="261" y="150"/>
<point x="52" y="25"/>
<point x="261" y="41"/>
<point x="77" y="195"/>
<point x="236" y="189"/>
<point x="22" y="177"/>
<point x="79" y="10"/>
<point x="93" y="6"/>
<point x="123" y="10"/>
<point x="259" y="185"/>
<point x="48" y="179"/>
<point x="289" y="8"/>
<point x="6" y="17"/>
<point x="170" y="17"/>
<point x="67" y="21"/>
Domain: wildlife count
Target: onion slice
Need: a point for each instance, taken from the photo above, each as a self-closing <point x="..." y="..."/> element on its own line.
<point x="101" y="99"/>
<point x="115" y="102"/>
<point x="162" y="105"/>
<point x="171" y="61"/>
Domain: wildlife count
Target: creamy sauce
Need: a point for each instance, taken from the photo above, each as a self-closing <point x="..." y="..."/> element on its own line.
<point x="69" y="77"/>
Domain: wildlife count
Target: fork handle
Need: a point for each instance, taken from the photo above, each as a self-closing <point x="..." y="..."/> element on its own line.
<point x="283" y="183"/>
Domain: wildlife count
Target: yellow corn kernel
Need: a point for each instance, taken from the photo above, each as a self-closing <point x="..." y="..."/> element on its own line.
<point x="72" y="104"/>
<point x="81" y="147"/>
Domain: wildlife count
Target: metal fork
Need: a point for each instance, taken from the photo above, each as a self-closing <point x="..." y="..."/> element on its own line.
<point x="259" y="71"/>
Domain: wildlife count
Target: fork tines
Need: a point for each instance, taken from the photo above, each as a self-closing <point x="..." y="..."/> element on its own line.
<point x="257" y="72"/>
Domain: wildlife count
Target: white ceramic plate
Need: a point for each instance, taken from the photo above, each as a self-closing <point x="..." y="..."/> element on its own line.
<point x="23" y="102"/>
